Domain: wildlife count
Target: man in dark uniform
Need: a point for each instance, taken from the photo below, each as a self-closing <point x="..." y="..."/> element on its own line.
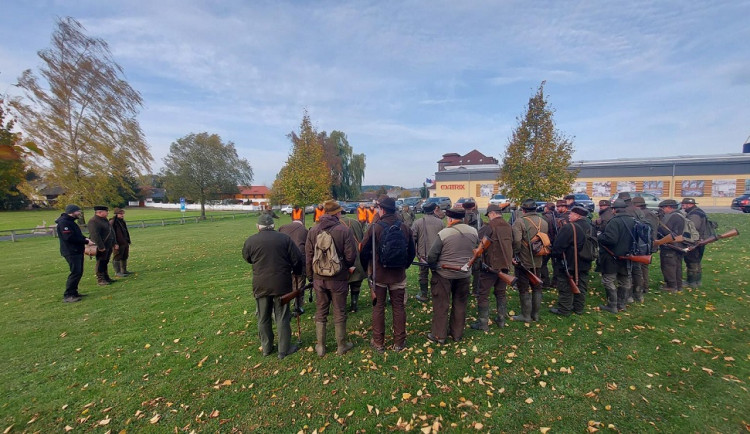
<point x="388" y="281"/>
<point x="570" y="201"/>
<point x="72" y="243"/>
<point x="551" y="217"/>
<point x="499" y="257"/>
<point x="102" y="234"/>
<point x="331" y="289"/>
<point x="636" y="291"/>
<point x="694" y="257"/>
<point x="425" y="232"/>
<point x="473" y="219"/>
<point x="653" y="220"/>
<point x="567" y="248"/>
<point x="275" y="259"/>
<point x="605" y="215"/>
<point x="297" y="231"/>
<point x="615" y="241"/>
<point x="670" y="254"/>
<point x="122" y="246"/>
<point x="453" y="247"/>
<point x="524" y="231"/>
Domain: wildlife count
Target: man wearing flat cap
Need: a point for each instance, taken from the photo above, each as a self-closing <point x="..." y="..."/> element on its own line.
<point x="615" y="242"/>
<point x="425" y="231"/>
<point x="670" y="255"/>
<point x="525" y="230"/>
<point x="388" y="263"/>
<point x="694" y="257"/>
<point x="331" y="287"/>
<point x="102" y="234"/>
<point x="72" y="243"/>
<point x="275" y="259"/>
<point x="453" y="248"/>
<point x="567" y="248"/>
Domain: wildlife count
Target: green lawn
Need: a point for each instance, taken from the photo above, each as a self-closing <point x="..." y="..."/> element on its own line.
<point x="174" y="348"/>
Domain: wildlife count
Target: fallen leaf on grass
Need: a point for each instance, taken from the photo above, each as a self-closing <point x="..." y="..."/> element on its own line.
<point x="544" y="429"/>
<point x="709" y="371"/>
<point x="203" y="360"/>
<point x="155" y="419"/>
<point x="105" y="421"/>
<point x="214" y="413"/>
<point x="529" y="400"/>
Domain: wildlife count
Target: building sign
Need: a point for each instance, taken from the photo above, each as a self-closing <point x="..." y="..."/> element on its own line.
<point x="580" y="187"/>
<point x="692" y="188"/>
<point x="723" y="187"/>
<point x="486" y="190"/>
<point x="601" y="189"/>
<point x="654" y="187"/>
<point x="625" y="186"/>
<point x="453" y="187"/>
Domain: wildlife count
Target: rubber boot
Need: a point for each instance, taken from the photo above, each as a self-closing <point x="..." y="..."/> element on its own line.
<point x="422" y="296"/>
<point x="525" y="316"/>
<point x="501" y="313"/>
<point x="343" y="344"/>
<point x="611" y="305"/>
<point x="320" y="333"/>
<point x="124" y="264"/>
<point x="118" y="268"/>
<point x="483" y="320"/>
<point x="355" y="301"/>
<point x="100" y="280"/>
<point x="698" y="279"/>
<point x="536" y="304"/>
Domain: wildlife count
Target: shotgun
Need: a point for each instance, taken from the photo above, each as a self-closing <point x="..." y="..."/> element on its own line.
<point x="712" y="239"/>
<point x="571" y="282"/>
<point x="533" y="278"/>
<point x="483" y="244"/>
<point x="289" y="296"/>
<point x="669" y="238"/>
<point x="507" y="278"/>
<point x="641" y="259"/>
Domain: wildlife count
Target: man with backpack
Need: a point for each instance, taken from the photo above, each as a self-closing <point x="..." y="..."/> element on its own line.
<point x="575" y="248"/>
<point x="528" y="231"/>
<point x="673" y="223"/>
<point x="636" y="273"/>
<point x="453" y="248"/>
<point x="330" y="255"/>
<point x="388" y="246"/>
<point x="653" y="221"/>
<point x="425" y="232"/>
<point x="693" y="258"/>
<point x="615" y="242"/>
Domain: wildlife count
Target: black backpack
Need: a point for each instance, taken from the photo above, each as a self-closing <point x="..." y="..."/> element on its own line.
<point x="590" y="250"/>
<point x="393" y="247"/>
<point x="642" y="241"/>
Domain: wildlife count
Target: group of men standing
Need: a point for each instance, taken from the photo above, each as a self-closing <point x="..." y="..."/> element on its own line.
<point x="109" y="236"/>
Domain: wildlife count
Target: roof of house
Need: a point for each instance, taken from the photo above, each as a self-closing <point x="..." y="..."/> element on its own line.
<point x="253" y="189"/>
<point x="472" y="158"/>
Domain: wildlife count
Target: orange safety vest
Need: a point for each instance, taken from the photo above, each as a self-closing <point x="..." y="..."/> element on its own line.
<point x="362" y="214"/>
<point x="297" y="214"/>
<point x="318" y="212"/>
<point x="370" y="215"/>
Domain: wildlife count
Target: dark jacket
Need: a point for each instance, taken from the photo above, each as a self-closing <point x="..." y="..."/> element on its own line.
<point x="101" y="233"/>
<point x="359" y="273"/>
<point x="386" y="275"/>
<point x="700" y="220"/>
<point x="274" y="257"/>
<point x="343" y="239"/>
<point x="71" y="238"/>
<point x="122" y="236"/>
<point x="617" y="236"/>
<point x="297" y="231"/>
<point x="604" y="218"/>
<point x="563" y="245"/>
<point x="672" y="223"/>
<point x="499" y="255"/>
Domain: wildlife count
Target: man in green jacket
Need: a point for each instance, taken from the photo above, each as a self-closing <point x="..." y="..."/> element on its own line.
<point x="102" y="234"/>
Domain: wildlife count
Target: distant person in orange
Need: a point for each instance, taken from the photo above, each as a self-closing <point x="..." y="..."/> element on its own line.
<point x="362" y="213"/>
<point x="319" y="212"/>
<point x="298" y="214"/>
<point x="371" y="213"/>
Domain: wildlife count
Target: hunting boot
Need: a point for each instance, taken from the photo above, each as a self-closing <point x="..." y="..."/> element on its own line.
<point x="124" y="264"/>
<point x="525" y="308"/>
<point x="107" y="278"/>
<point x="100" y="280"/>
<point x="422" y="296"/>
<point x="343" y="344"/>
<point x="611" y="305"/>
<point x="355" y="301"/>
<point x="536" y="303"/>
<point x="698" y="278"/>
<point x="118" y="268"/>
<point x="501" y="312"/>
<point x="320" y="333"/>
<point x="483" y="320"/>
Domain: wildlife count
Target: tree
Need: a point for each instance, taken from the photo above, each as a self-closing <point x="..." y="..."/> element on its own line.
<point x="199" y="165"/>
<point x="12" y="167"/>
<point x="305" y="179"/>
<point x="536" y="160"/>
<point x="347" y="169"/>
<point x="83" y="117"/>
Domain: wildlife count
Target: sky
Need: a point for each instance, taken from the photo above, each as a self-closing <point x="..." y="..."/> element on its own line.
<point x="408" y="81"/>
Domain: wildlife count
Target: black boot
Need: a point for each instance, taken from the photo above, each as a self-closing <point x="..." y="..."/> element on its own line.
<point x="483" y="320"/>
<point x="355" y="301"/>
<point x="501" y="312"/>
<point x="611" y="305"/>
<point x="124" y="264"/>
<point x="422" y="296"/>
<point x="118" y="268"/>
<point x="536" y="304"/>
<point x="525" y="307"/>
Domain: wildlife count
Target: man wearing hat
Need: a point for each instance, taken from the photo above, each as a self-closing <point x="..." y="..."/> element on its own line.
<point x="297" y="231"/>
<point x="653" y="220"/>
<point x="102" y="234"/>
<point x="425" y="231"/>
<point x="615" y="241"/>
<point x="550" y="216"/>
<point x="636" y="274"/>
<point x="567" y="249"/>
<point x="694" y="257"/>
<point x="454" y="247"/>
<point x="72" y="243"/>
<point x="605" y="215"/>
<point x="331" y="289"/>
<point x="389" y="279"/>
<point x="275" y="259"/>
<point x="122" y="243"/>
<point x="570" y="201"/>
<point x="670" y="257"/>
<point x="499" y="257"/>
<point x="525" y="229"/>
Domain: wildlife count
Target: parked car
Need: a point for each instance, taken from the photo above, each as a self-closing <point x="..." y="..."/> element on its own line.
<point x="412" y="202"/>
<point x="462" y="200"/>
<point x="286" y="209"/>
<point x="652" y="202"/>
<point x="349" y="207"/>
<point x="501" y="201"/>
<point x="309" y="209"/>
<point x="585" y="201"/>
<point x="399" y="203"/>
<point x="742" y="203"/>
<point x="441" y="201"/>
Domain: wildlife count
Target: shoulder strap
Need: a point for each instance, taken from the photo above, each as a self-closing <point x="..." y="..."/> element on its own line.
<point x="575" y="250"/>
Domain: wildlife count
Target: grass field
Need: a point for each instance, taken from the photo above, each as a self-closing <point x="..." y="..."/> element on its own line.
<point x="174" y="348"/>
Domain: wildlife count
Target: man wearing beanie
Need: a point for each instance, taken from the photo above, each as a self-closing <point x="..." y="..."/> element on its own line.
<point x="72" y="243"/>
<point x="425" y="231"/>
<point x="330" y="288"/>
<point x="275" y="259"/>
<point x="122" y="246"/>
<point x="102" y="234"/>
<point x="525" y="230"/>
